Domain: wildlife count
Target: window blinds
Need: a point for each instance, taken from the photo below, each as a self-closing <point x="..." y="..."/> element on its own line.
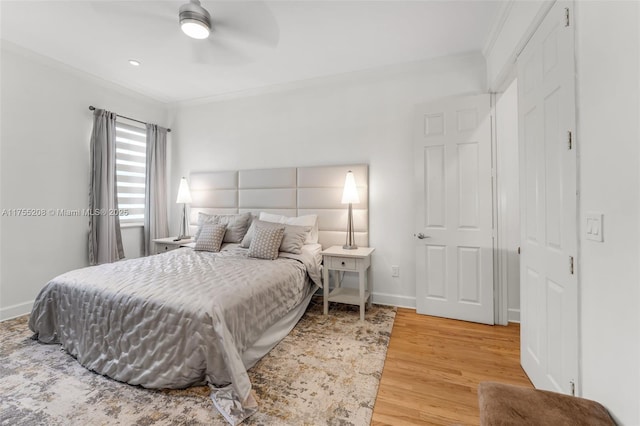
<point x="130" y="171"/>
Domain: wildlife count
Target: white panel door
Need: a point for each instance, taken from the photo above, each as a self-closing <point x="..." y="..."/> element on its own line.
<point x="546" y="109"/>
<point x="454" y="215"/>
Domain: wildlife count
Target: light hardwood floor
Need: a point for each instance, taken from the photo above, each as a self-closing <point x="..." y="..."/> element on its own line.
<point x="434" y="365"/>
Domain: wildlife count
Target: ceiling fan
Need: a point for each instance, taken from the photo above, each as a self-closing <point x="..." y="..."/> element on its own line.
<point x="221" y="32"/>
<point x="195" y="20"/>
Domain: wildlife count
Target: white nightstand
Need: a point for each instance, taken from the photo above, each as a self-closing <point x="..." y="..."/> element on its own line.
<point x="338" y="259"/>
<point x="166" y="244"/>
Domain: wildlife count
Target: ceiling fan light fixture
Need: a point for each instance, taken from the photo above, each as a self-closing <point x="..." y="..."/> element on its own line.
<point x="195" y="21"/>
<point x="194" y="29"/>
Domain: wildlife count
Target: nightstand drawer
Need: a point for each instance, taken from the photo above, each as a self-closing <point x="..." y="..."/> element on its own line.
<point x="161" y="248"/>
<point x="163" y="245"/>
<point x="348" y="263"/>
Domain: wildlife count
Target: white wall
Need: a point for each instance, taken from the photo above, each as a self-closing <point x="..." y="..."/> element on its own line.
<point x="508" y="196"/>
<point x="361" y="117"/>
<point x="608" y="143"/>
<point x="44" y="157"/>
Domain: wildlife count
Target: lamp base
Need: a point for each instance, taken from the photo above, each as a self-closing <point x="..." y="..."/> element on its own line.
<point x="350" y="244"/>
<point x="184" y="227"/>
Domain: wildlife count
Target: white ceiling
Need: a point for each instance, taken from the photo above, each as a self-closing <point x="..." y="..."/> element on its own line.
<point x="254" y="44"/>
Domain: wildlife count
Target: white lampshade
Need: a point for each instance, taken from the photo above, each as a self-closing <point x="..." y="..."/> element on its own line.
<point x="350" y="193"/>
<point x="184" y="195"/>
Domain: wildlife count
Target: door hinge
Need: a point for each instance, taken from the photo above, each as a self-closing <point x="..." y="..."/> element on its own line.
<point x="573" y="387"/>
<point x="566" y="17"/>
<point x="571" y="264"/>
<point x="570" y="139"/>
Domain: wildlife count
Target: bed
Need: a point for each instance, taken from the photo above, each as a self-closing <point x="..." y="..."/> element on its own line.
<point x="191" y="317"/>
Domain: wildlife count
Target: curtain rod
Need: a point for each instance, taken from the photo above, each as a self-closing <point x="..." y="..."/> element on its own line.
<point x="91" y="108"/>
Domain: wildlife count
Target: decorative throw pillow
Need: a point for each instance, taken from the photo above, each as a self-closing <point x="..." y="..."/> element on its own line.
<point x="307" y="220"/>
<point x="292" y="241"/>
<point x="204" y="219"/>
<point x="266" y="241"/>
<point x="210" y="238"/>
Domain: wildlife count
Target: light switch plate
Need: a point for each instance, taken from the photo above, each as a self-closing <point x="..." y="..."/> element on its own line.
<point x="395" y="271"/>
<point x="593" y="226"/>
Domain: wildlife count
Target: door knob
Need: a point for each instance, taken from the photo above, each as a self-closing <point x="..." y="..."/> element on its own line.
<point x="421" y="236"/>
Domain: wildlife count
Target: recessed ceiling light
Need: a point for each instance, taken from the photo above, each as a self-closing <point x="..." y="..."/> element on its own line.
<point x="134" y="62"/>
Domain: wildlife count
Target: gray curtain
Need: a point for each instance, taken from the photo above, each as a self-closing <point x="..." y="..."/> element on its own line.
<point x="105" y="240"/>
<point x="156" y="224"/>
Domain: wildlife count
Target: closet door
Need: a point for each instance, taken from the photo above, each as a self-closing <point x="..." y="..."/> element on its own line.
<point x="548" y="263"/>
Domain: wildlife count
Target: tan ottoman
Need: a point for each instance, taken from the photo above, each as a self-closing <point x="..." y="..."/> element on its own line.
<point x="502" y="404"/>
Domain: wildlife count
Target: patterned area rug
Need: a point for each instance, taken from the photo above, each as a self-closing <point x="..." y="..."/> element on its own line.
<point x="326" y="371"/>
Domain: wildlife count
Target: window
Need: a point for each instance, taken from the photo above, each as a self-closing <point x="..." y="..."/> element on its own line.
<point x="131" y="146"/>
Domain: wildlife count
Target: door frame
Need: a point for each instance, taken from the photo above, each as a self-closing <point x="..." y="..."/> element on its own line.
<point x="504" y="209"/>
<point x="501" y="284"/>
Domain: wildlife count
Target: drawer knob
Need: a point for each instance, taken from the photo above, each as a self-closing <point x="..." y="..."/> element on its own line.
<point x="342" y="263"/>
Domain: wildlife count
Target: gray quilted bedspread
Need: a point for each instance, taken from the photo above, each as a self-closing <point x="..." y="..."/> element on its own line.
<point x="173" y="320"/>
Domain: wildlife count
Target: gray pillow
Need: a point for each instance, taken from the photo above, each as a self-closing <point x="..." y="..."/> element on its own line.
<point x="292" y="241"/>
<point x="294" y="238"/>
<point x="306" y="220"/>
<point x="266" y="242"/>
<point x="204" y="219"/>
<point x="237" y="224"/>
<point x="210" y="237"/>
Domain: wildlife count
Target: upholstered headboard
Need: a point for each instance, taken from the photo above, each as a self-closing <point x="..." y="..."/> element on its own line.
<point x="292" y="191"/>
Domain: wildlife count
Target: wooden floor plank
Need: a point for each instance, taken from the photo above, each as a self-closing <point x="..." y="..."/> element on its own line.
<point x="434" y="365"/>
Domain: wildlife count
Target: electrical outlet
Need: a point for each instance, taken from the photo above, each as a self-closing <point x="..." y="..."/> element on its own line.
<point x="395" y="271"/>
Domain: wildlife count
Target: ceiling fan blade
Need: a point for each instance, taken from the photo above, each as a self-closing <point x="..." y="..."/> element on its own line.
<point x="215" y="52"/>
<point x="247" y="21"/>
<point x="136" y="12"/>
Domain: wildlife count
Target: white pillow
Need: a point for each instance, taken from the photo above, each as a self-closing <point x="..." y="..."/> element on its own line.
<point x="307" y="220"/>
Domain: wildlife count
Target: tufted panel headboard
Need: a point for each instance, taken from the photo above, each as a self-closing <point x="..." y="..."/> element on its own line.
<point x="291" y="191"/>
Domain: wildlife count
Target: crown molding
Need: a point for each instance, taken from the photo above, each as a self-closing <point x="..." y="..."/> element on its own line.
<point x="498" y="25"/>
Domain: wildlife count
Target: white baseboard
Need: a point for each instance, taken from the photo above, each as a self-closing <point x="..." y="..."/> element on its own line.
<point x="394" y="300"/>
<point x="388" y="299"/>
<point x="514" y="315"/>
<point x="9" y="312"/>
